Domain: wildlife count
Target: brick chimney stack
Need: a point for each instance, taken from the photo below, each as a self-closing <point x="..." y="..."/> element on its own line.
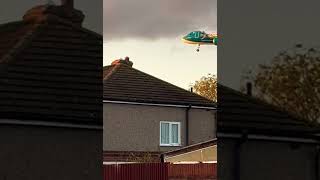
<point x="51" y="13"/>
<point x="125" y="61"/>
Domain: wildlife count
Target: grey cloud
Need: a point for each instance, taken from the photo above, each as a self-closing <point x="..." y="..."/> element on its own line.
<point x="153" y="19"/>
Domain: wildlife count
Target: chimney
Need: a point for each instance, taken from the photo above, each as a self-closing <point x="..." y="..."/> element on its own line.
<point x="69" y="4"/>
<point x="125" y="61"/>
<point x="51" y="13"/>
<point x="249" y="89"/>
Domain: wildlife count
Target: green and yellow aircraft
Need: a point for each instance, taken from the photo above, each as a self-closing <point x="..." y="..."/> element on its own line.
<point x="200" y="38"/>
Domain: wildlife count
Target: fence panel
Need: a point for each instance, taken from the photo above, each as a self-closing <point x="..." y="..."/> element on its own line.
<point x="160" y="171"/>
<point x="145" y="171"/>
<point x="195" y="171"/>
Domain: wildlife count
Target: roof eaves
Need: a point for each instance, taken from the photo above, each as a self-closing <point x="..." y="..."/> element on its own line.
<point x="156" y="103"/>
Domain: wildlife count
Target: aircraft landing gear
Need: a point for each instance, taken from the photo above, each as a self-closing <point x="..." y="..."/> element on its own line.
<point x="198" y="49"/>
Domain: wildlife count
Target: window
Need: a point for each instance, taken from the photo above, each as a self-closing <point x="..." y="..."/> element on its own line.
<point x="169" y="133"/>
<point x="197" y="34"/>
<point x="202" y="35"/>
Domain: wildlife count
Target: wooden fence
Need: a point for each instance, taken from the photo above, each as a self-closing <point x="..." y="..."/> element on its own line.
<point x="145" y="171"/>
<point x="192" y="171"/>
<point x="160" y="171"/>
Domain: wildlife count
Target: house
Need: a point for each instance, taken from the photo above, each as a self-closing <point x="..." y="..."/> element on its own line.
<point x="143" y="114"/>
<point x="204" y="152"/>
<point x="50" y="96"/>
<point x="259" y="141"/>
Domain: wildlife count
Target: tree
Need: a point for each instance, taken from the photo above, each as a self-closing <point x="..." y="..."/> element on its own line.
<point x="142" y="158"/>
<point x="292" y="82"/>
<point x="207" y="87"/>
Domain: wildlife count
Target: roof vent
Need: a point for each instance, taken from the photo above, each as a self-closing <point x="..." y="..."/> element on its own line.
<point x="125" y="61"/>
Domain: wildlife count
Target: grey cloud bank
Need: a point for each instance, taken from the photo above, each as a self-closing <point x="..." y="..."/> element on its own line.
<point x="154" y="19"/>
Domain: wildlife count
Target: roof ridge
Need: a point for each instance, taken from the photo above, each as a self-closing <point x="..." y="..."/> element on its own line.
<point x="21" y="44"/>
<point x="111" y="72"/>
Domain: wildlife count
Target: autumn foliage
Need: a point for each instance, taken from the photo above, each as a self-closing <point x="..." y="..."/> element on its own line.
<point x="207" y="87"/>
<point x="292" y="82"/>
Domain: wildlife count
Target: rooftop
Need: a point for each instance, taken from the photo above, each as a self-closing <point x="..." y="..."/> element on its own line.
<point x="50" y="67"/>
<point x="122" y="82"/>
<point x="239" y="112"/>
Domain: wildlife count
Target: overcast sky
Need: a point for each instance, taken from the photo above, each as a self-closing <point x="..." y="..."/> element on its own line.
<point x="150" y="32"/>
<point x="252" y="32"/>
<point x="154" y="19"/>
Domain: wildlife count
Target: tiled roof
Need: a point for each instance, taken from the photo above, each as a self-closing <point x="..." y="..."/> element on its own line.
<point x="50" y="69"/>
<point x="194" y="147"/>
<point x="238" y="112"/>
<point x="125" y="83"/>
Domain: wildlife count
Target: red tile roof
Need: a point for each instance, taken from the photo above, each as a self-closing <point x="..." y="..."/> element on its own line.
<point x="125" y="83"/>
<point x="50" y="69"/>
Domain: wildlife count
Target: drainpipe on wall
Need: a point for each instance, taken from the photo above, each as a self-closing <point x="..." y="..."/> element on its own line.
<point x="317" y="162"/>
<point x="162" y="158"/>
<point x="237" y="159"/>
<point x="187" y="125"/>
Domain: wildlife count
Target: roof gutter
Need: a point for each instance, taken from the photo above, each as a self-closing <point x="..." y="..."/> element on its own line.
<point x="160" y="105"/>
<point x="268" y="138"/>
<point x="49" y="124"/>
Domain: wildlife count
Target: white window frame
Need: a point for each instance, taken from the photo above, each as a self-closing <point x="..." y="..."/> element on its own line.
<point x="170" y="136"/>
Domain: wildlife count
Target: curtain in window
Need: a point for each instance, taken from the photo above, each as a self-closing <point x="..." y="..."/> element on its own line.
<point x="174" y="133"/>
<point x="165" y="133"/>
